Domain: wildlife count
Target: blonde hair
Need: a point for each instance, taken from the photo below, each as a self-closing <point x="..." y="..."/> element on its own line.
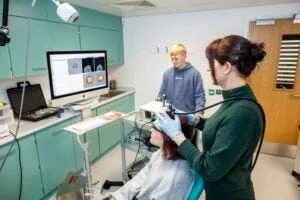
<point x="178" y="49"/>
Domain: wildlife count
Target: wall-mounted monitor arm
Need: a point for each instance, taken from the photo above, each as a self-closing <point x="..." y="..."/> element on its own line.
<point x="4" y="31"/>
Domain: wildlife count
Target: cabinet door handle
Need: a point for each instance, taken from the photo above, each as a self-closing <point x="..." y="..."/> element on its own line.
<point x="10" y="154"/>
<point x="39" y="69"/>
<point x="57" y="132"/>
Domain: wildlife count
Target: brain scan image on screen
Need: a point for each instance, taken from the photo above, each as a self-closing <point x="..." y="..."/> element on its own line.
<point x="75" y="66"/>
<point x="88" y="65"/>
<point x="99" y="64"/>
<point x="100" y="78"/>
<point x="88" y="80"/>
<point x="87" y="68"/>
<point x="75" y="72"/>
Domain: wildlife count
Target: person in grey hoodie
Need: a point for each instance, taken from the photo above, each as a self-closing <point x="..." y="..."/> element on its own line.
<point x="182" y="84"/>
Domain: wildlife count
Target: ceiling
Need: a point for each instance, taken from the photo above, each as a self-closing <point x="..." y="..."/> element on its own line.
<point x="150" y="7"/>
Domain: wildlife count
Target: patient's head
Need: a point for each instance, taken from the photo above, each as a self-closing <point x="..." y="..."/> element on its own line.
<point x="167" y="146"/>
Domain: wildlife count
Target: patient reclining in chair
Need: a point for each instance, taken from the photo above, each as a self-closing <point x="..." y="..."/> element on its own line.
<point x="166" y="176"/>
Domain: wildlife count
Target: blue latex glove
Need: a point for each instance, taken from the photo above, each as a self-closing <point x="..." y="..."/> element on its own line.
<point x="191" y="118"/>
<point x="170" y="127"/>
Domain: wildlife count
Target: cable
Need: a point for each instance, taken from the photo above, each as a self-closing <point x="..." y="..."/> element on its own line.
<point x="22" y="100"/>
<point x="237" y="99"/>
<point x="20" y="165"/>
<point x="24" y="84"/>
<point x="139" y="129"/>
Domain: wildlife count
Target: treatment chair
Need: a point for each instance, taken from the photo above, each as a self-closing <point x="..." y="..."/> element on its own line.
<point x="197" y="187"/>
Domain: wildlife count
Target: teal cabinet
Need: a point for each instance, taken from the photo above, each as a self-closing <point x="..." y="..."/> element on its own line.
<point x="93" y="18"/>
<point x="5" y="66"/>
<point x="48" y="155"/>
<point x="56" y="154"/>
<point x="102" y="39"/>
<point x="98" y="31"/>
<point x="4" y="57"/>
<point x="10" y="174"/>
<point x="126" y="104"/>
<point x="23" y="8"/>
<point x="110" y="134"/>
<point x="39" y="44"/>
<point x="64" y="37"/>
<point x="32" y="183"/>
<point x="92" y="139"/>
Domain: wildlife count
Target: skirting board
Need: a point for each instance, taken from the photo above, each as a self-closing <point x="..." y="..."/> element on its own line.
<point x="277" y="149"/>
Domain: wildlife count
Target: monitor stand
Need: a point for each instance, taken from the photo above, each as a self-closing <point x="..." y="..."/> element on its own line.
<point x="82" y="102"/>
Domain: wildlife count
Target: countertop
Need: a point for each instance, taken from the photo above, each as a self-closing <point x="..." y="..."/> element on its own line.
<point x="27" y="127"/>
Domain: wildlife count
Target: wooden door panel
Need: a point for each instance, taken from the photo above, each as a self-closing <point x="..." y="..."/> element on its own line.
<point x="281" y="106"/>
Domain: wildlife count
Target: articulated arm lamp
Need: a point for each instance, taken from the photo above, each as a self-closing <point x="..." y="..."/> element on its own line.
<point x="66" y="12"/>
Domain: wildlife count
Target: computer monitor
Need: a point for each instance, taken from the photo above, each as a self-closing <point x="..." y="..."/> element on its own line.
<point x="76" y="75"/>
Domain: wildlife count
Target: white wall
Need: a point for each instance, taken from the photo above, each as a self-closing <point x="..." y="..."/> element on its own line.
<point x="144" y="67"/>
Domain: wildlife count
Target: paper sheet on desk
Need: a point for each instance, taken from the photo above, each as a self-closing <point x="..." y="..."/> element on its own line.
<point x="93" y="122"/>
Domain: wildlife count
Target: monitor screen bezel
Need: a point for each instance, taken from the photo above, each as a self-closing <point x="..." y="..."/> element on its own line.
<point x="49" y="53"/>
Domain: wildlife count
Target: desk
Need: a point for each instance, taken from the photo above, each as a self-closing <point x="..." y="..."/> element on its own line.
<point x="128" y="134"/>
<point x="83" y="127"/>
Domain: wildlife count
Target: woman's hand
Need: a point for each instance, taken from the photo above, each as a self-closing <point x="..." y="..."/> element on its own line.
<point x="170" y="127"/>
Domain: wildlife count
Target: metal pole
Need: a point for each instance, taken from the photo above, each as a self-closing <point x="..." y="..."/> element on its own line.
<point x="123" y="151"/>
<point x="88" y="173"/>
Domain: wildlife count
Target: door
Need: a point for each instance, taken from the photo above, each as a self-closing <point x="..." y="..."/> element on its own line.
<point x="276" y="82"/>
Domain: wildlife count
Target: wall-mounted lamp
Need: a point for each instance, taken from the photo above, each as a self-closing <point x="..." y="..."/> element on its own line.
<point x="66" y="12"/>
<point x="297" y="18"/>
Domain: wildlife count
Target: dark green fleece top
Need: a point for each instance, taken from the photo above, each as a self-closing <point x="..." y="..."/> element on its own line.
<point x="229" y="138"/>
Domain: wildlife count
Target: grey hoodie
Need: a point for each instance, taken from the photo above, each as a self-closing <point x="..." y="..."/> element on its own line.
<point x="183" y="88"/>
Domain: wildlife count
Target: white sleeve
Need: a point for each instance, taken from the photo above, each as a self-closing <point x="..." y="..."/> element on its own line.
<point x="132" y="187"/>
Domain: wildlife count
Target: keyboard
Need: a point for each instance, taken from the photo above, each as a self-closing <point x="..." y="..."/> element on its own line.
<point x="95" y="122"/>
<point x="87" y="124"/>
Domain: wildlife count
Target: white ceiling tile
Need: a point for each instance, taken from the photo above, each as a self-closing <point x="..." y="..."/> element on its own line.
<point x="168" y="6"/>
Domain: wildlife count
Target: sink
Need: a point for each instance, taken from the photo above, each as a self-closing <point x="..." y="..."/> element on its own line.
<point x="110" y="94"/>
